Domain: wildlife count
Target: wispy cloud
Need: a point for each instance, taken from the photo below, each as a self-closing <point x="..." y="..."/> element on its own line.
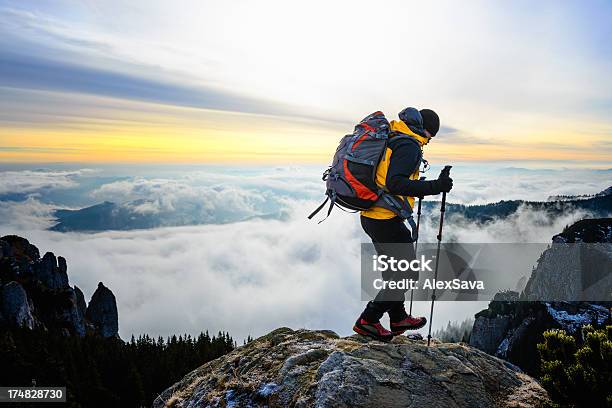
<point x="41" y="74"/>
<point x="30" y="181"/>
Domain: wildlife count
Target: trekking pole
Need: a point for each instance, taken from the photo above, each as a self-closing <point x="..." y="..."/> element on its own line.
<point x="416" y="242"/>
<point x="446" y="172"/>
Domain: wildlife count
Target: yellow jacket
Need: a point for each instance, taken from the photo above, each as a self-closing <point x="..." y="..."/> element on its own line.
<point x="381" y="171"/>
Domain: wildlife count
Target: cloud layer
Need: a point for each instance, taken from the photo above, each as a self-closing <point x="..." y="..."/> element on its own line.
<point x="252" y="276"/>
<point x="247" y="278"/>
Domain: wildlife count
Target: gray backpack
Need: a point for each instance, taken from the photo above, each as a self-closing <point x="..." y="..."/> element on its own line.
<point x="351" y="178"/>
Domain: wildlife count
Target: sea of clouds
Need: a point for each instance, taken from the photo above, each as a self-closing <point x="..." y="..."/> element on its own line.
<point x="254" y="262"/>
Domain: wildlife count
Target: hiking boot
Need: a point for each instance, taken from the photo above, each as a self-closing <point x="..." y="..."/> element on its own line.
<point x="373" y="330"/>
<point x="409" y="323"/>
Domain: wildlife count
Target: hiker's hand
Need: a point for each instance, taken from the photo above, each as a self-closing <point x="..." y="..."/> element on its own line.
<point x="441" y="185"/>
<point x="444" y="183"/>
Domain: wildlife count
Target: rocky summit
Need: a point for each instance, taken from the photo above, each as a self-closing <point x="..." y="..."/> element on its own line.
<point x="303" y="368"/>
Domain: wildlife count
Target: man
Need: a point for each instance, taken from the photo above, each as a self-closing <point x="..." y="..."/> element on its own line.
<point x="398" y="173"/>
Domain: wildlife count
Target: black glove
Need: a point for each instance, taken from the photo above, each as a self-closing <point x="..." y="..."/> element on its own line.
<point x="443" y="184"/>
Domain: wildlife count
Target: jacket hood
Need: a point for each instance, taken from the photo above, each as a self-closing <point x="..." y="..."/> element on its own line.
<point x="402" y="127"/>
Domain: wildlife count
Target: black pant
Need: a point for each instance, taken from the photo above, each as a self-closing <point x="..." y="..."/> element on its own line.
<point x="393" y="231"/>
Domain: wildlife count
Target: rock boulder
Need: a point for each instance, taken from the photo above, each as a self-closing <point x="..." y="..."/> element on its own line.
<point x="305" y="368"/>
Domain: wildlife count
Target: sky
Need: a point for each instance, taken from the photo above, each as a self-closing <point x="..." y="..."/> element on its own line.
<point x="279" y="82"/>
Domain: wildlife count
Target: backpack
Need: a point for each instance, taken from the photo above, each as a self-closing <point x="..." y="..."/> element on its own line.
<point x="351" y="178"/>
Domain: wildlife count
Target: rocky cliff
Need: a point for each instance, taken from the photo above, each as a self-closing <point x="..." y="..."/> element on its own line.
<point x="35" y="293"/>
<point x="577" y="266"/>
<point x="514" y="323"/>
<point x="303" y="368"/>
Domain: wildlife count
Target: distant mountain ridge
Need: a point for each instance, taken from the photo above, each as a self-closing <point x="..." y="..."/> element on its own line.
<point x="112" y="216"/>
<point x="607" y="191"/>
<point x="102" y="217"/>
<point x="599" y="205"/>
